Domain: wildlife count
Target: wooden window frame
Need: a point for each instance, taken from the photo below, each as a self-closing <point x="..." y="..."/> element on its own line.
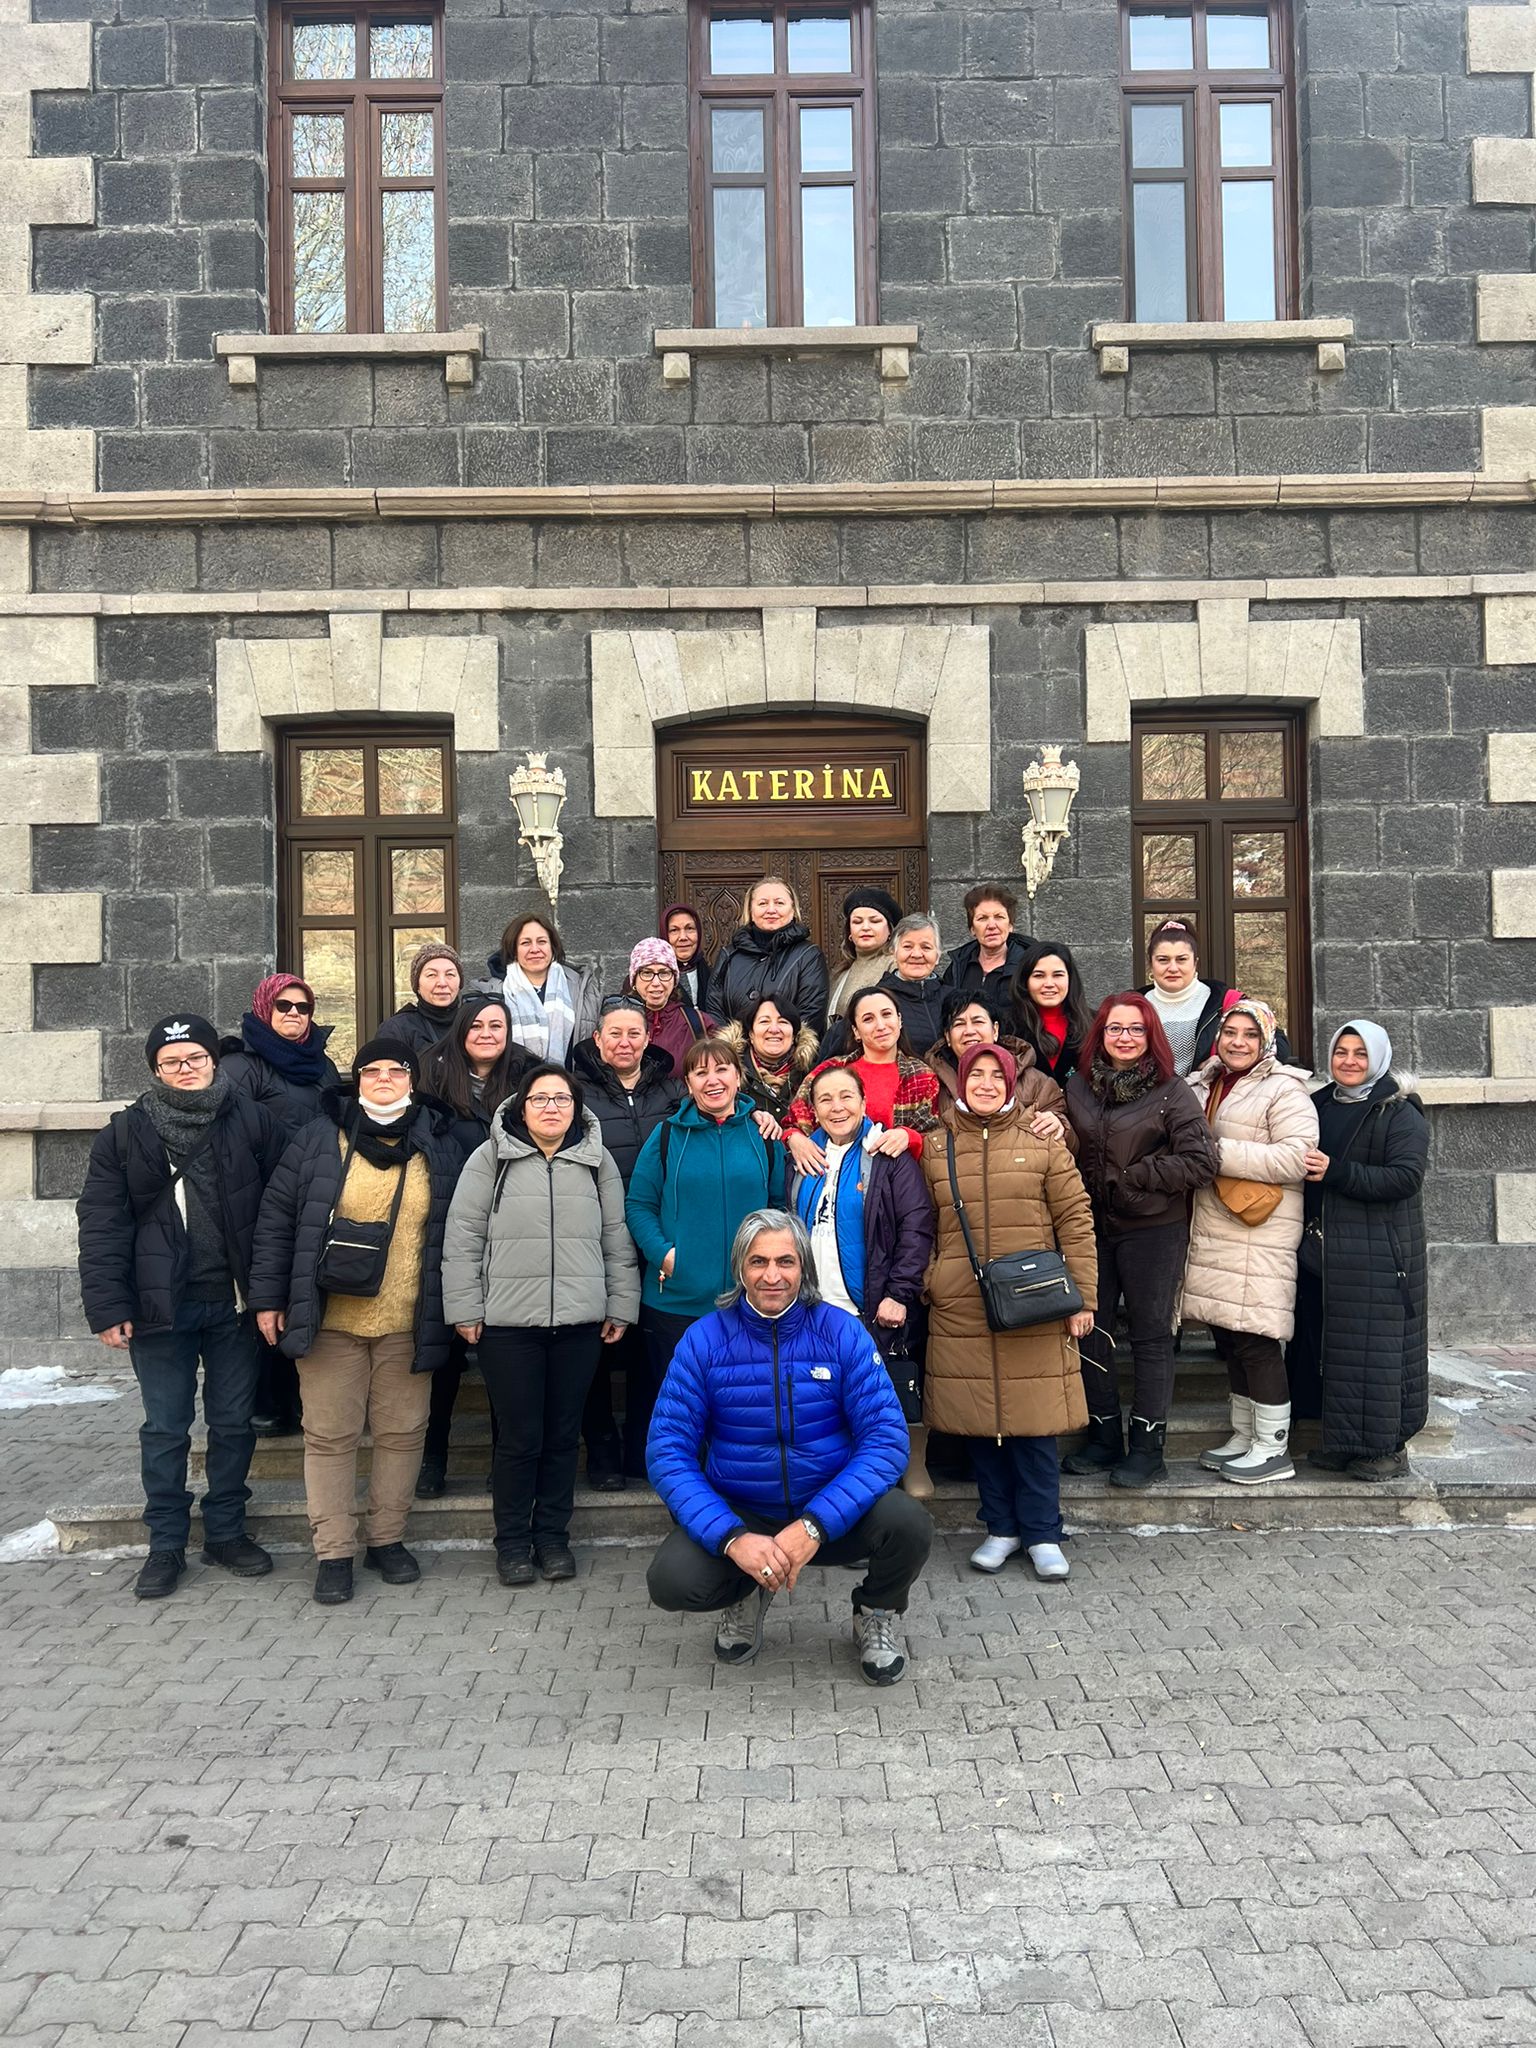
<point x="360" y="102"/>
<point x="782" y="95"/>
<point x="1203" y="92"/>
<point x="1212" y="821"/>
<point x="372" y="837"/>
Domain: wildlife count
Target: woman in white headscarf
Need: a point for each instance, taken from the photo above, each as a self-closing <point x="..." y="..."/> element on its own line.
<point x="1360" y="1305"/>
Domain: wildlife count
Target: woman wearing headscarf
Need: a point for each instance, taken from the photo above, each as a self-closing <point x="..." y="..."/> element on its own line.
<point x="1011" y="1392"/>
<point x="777" y="1051"/>
<point x="673" y="1020"/>
<point x="437" y="980"/>
<point x="771" y="953"/>
<point x="1360" y="1306"/>
<point x="553" y="1004"/>
<point x="870" y="918"/>
<point x="1049" y="1010"/>
<point x="683" y="929"/>
<point x="1245" y="1226"/>
<point x="1189" y="1008"/>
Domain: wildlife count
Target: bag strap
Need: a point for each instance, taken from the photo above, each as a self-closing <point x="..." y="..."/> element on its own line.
<point x="954" y="1188"/>
<point x="346" y="1163"/>
<point x="695" y="1021"/>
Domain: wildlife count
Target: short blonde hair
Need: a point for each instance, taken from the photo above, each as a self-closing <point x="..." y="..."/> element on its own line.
<point x="787" y="887"/>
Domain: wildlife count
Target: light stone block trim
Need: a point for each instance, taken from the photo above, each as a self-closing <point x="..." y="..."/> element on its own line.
<point x="1503" y="39"/>
<point x="1512" y="767"/>
<point x="259" y="682"/>
<point x="1509" y="630"/>
<point x="1503" y="169"/>
<point x="38" y="1233"/>
<point x="653" y="678"/>
<point x="1509" y="441"/>
<point x="1506" y="308"/>
<point x="39" y="1064"/>
<point x="1512" y="1041"/>
<point x="1222" y="653"/>
<point x="1514" y="903"/>
<point x="1514" y="1208"/>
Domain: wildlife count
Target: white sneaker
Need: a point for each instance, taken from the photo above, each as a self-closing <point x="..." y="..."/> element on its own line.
<point x="1049" y="1561"/>
<point x="994" y="1552"/>
<point x="739" y="1632"/>
<point x="881" y="1659"/>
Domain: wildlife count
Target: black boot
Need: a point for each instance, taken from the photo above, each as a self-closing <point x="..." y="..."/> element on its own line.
<point x="333" y="1581"/>
<point x="1143" y="1463"/>
<point x="1105" y="1446"/>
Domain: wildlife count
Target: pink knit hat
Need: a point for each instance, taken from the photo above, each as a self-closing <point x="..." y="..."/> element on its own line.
<point x="651" y="953"/>
<point x="266" y="993"/>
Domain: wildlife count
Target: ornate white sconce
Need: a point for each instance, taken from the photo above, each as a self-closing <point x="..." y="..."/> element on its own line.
<point x="538" y="797"/>
<point x="1050" y="785"/>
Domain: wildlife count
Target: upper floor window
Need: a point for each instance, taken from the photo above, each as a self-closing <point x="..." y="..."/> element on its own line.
<point x="784" y="230"/>
<point x="1210" y="196"/>
<point x="356" y="149"/>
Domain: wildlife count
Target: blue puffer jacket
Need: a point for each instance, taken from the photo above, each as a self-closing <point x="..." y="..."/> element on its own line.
<point x="716" y="1174"/>
<point x="786" y="1418"/>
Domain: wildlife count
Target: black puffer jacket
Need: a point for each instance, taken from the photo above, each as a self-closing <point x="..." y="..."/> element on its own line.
<point x="784" y="963"/>
<point x="292" y="1103"/>
<point x="414" y="1025"/>
<point x="133" y="1242"/>
<point x="297" y="1208"/>
<point x="1141" y="1158"/>
<point x="627" y="1120"/>
<point x="964" y="970"/>
<point x="1364" y="1326"/>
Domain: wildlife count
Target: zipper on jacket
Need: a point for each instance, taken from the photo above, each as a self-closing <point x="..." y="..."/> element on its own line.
<point x="778" y="1426"/>
<point x="549" y="1171"/>
<point x="986" y="1241"/>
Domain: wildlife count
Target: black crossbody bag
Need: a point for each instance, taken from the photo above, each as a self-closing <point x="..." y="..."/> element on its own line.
<point x="353" y="1256"/>
<point x="1021" y="1288"/>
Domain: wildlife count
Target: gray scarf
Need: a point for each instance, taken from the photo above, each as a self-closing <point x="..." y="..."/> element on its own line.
<point x="183" y="1117"/>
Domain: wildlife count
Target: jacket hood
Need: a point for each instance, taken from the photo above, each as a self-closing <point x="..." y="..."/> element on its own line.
<point x="589" y="1066"/>
<point x="586" y="1151"/>
<point x="1210" y="1069"/>
<point x="748" y="939"/>
<point x="1392" y="1087"/>
<point x="801" y="1053"/>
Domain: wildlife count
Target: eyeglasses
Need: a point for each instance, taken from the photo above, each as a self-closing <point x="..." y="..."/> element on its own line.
<point x="189" y="1065"/>
<point x="294" y="1009"/>
<point x="654" y="974"/>
<point x="384" y="1074"/>
<point x="1125" y="1030"/>
<point x="549" y="1101"/>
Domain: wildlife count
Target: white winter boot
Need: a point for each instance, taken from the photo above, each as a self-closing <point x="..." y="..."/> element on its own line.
<point x="1239" y="1443"/>
<point x="1270" y="1456"/>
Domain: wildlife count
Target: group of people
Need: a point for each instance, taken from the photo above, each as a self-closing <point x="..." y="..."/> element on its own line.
<point x="810" y="1221"/>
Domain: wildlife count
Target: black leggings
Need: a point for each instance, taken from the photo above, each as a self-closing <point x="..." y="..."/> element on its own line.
<point x="1143" y="1268"/>
<point x="1255" y="1365"/>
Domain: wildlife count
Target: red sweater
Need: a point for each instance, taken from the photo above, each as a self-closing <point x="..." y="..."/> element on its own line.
<point x="900" y="1094"/>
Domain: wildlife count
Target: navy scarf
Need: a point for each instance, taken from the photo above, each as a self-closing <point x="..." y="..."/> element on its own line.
<point x="300" y="1060"/>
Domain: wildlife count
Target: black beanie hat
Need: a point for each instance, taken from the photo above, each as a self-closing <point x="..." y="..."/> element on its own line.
<point x="184" y="1030"/>
<point x="872" y="899"/>
<point x="386" y="1048"/>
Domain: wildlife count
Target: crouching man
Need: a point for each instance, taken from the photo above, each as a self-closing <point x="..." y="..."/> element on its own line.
<point x="777" y="1442"/>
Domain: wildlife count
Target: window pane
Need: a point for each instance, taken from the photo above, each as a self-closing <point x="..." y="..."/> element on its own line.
<point x="410" y="781"/>
<point x="1237" y="42"/>
<point x="400" y="49"/>
<point x="1258" y="959"/>
<point x="323" y="49"/>
<point x="319" y="146"/>
<point x="410" y="262"/>
<point x="740" y="48"/>
<point x="319" y="262"/>
<point x="826" y="138"/>
<point x="331" y="782"/>
<point x="405" y="145"/>
<point x="417" y="880"/>
<point x="736" y="138"/>
<point x="1173" y="767"/>
<point x="1162" y="42"/>
<point x="821" y="43"/>
<point x="330" y="968"/>
<point x="1158" y="224"/>
<point x="1252" y="764"/>
<point x="1248" y="249"/>
<point x="741" y="266"/>
<point x="407" y="941"/>
<point x="1167" y="866"/>
<point x="1247" y="131"/>
<point x="826" y="235"/>
<point x="1157" y="138"/>
<point x="1258" y="864"/>
<point x="328" y="889"/>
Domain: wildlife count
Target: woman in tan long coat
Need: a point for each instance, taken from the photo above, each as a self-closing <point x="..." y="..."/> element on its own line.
<point x="1012" y="1394"/>
<point x="1241" y="1274"/>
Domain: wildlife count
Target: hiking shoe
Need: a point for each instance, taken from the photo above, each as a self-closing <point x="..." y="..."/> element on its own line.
<point x="247" y="1560"/>
<point x="555" y="1560"/>
<point x="333" y="1581"/>
<point x="1330" y="1461"/>
<point x="1377" y="1471"/>
<point x="514" y="1567"/>
<point x="739" y="1631"/>
<point x="881" y="1657"/>
<point x="159" y="1573"/>
<point x="993" y="1552"/>
<point x="393" y="1563"/>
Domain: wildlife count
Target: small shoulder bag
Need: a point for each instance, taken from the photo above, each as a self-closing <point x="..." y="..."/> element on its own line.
<point x="1021" y="1288"/>
<point x="353" y="1256"/>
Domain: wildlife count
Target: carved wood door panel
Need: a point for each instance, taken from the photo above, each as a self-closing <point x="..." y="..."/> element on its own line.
<point x="714" y="883"/>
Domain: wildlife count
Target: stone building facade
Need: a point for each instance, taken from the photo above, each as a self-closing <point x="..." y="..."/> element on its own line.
<point x="574" y="516"/>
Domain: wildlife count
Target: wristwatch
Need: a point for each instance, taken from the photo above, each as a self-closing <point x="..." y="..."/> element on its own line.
<point x="816" y="1534"/>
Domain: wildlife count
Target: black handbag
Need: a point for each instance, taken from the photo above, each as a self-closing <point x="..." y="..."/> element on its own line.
<point x="896" y="1349"/>
<point x="1021" y="1288"/>
<point x="353" y="1256"/>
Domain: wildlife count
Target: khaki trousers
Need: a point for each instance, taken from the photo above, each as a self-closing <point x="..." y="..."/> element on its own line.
<point x="349" y="1383"/>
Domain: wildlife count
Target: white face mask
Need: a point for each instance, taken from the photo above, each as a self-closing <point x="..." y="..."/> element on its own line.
<point x="392" y="1115"/>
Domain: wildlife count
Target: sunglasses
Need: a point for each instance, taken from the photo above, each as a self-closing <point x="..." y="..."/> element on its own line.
<point x="294" y="1009"/>
<point x="609" y="1004"/>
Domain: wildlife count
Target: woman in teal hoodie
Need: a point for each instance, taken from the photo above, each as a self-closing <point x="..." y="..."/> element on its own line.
<point x="699" y="1173"/>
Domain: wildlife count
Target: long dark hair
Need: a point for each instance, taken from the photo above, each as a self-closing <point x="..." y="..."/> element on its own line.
<point x="903" y="1042"/>
<point x="1026" y="1011"/>
<point x="449" y="1075"/>
<point x="1159" y="1052"/>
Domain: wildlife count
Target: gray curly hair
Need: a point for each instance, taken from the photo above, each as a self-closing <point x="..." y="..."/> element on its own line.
<point x="748" y="1232"/>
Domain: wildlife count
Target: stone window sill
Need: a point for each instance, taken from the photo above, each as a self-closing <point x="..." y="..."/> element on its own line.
<point x="459" y="351"/>
<point x="1114" y="339"/>
<point x="891" y="346"/>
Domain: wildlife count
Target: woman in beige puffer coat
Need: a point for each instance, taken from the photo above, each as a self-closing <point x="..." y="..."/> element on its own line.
<point x="1241" y="1276"/>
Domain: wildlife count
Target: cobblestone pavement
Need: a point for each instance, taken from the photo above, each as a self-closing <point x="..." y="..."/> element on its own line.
<point x="1218" y="1792"/>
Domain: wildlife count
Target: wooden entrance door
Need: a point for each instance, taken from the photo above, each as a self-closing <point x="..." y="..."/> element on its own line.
<point x="828" y="802"/>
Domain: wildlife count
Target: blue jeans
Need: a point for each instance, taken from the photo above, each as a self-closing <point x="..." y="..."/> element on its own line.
<point x="1020" y="1486"/>
<point x="165" y="1365"/>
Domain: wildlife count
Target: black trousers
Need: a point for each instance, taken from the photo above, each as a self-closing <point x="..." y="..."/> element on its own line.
<point x="892" y="1542"/>
<point x="608" y="1448"/>
<point x="661" y="1334"/>
<point x="1255" y="1365"/>
<point x="1142" y="1268"/>
<point x="537" y="1380"/>
<point x="277" y="1384"/>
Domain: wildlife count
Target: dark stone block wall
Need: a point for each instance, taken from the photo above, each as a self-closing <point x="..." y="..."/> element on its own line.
<point x="1000" y="234"/>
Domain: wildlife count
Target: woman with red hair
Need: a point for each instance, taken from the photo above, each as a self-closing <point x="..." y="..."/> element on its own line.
<point x="1143" y="1148"/>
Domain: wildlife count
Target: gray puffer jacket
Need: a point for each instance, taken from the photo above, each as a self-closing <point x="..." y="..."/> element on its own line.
<point x="539" y="1243"/>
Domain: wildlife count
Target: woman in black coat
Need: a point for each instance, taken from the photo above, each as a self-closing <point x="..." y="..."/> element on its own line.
<point x="771" y="954"/>
<point x="1361" y="1326"/>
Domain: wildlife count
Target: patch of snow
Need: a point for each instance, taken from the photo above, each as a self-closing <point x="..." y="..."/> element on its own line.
<point x="47" y="1386"/>
<point x="41" y="1540"/>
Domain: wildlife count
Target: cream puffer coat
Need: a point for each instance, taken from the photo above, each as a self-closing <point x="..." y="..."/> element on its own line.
<point x="1240" y="1278"/>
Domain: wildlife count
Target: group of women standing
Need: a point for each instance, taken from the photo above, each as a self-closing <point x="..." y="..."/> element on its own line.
<point x="546" y="1178"/>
